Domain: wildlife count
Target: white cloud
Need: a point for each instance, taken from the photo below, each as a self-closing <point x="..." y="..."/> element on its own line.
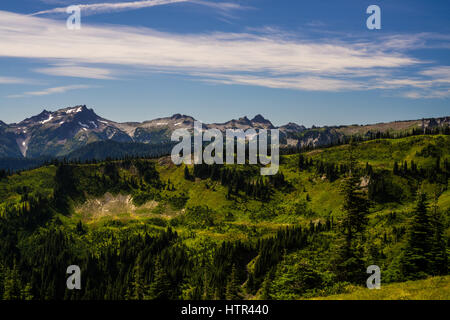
<point x="224" y="8"/>
<point x="432" y="94"/>
<point x="9" y="80"/>
<point x="75" y="71"/>
<point x="106" y="7"/>
<point x="297" y="83"/>
<point x="268" y="60"/>
<point x="32" y="37"/>
<point x="51" y="91"/>
<point x="434" y="85"/>
<point x="438" y="74"/>
<point x="95" y="8"/>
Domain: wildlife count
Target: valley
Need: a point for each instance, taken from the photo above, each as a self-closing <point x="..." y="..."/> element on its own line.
<point x="148" y="229"/>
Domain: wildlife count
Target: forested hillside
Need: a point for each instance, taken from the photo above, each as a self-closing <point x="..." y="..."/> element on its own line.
<point x="147" y="229"/>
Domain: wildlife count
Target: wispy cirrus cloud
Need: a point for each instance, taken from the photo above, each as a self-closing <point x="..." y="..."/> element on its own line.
<point x="440" y="74"/>
<point x="107" y="7"/>
<point x="434" y="85"/>
<point x="33" y="37"/>
<point x="306" y="82"/>
<point x="49" y="91"/>
<point x="12" y="80"/>
<point x="268" y="60"/>
<point x="76" y="71"/>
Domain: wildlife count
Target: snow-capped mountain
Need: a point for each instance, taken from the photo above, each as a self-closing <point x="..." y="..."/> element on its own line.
<point x="58" y="133"/>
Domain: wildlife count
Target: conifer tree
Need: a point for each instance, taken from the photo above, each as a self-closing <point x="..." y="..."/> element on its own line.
<point x="206" y="287"/>
<point x="416" y="260"/>
<point x="138" y="283"/>
<point x="395" y="171"/>
<point x="349" y="262"/>
<point x="160" y="287"/>
<point x="232" y="290"/>
<point x="439" y="259"/>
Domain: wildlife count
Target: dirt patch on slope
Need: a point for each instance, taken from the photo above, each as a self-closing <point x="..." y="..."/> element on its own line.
<point x="112" y="205"/>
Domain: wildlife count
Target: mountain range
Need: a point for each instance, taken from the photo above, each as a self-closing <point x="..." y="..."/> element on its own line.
<point x="66" y="131"/>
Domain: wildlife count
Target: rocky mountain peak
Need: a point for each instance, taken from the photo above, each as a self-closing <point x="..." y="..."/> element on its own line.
<point x="60" y="132"/>
<point x="37" y="118"/>
<point x="293" y="126"/>
<point x="259" y="118"/>
<point x="74" y="110"/>
<point x="244" y="120"/>
<point x="178" y="116"/>
<point x="260" y="121"/>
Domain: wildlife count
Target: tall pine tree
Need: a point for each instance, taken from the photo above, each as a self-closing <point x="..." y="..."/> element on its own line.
<point x="416" y="259"/>
<point x="232" y="290"/>
<point x="160" y="287"/>
<point x="349" y="263"/>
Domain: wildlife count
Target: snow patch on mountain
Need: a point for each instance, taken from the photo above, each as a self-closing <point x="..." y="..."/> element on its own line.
<point x="75" y="110"/>
<point x="48" y="120"/>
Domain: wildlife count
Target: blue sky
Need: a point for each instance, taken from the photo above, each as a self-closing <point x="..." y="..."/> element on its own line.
<point x="310" y="62"/>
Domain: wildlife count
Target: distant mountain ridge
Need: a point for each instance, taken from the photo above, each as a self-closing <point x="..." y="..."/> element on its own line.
<point x="62" y="132"/>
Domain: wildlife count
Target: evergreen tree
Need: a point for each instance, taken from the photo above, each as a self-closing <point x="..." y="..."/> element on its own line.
<point x="206" y="287"/>
<point x="416" y="260"/>
<point x="349" y="262"/>
<point x="232" y="290"/>
<point x="439" y="258"/>
<point x="160" y="287"/>
<point x="138" y="283"/>
<point x="395" y="168"/>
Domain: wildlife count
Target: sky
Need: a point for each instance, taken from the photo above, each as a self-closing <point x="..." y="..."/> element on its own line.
<point x="309" y="62"/>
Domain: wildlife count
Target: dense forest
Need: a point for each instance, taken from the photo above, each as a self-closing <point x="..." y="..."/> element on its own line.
<point x="147" y="229"/>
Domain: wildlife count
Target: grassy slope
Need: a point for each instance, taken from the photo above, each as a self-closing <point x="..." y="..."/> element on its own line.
<point x="382" y="153"/>
<point x="253" y="219"/>
<point x="39" y="181"/>
<point x="325" y="197"/>
<point x="435" y="288"/>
